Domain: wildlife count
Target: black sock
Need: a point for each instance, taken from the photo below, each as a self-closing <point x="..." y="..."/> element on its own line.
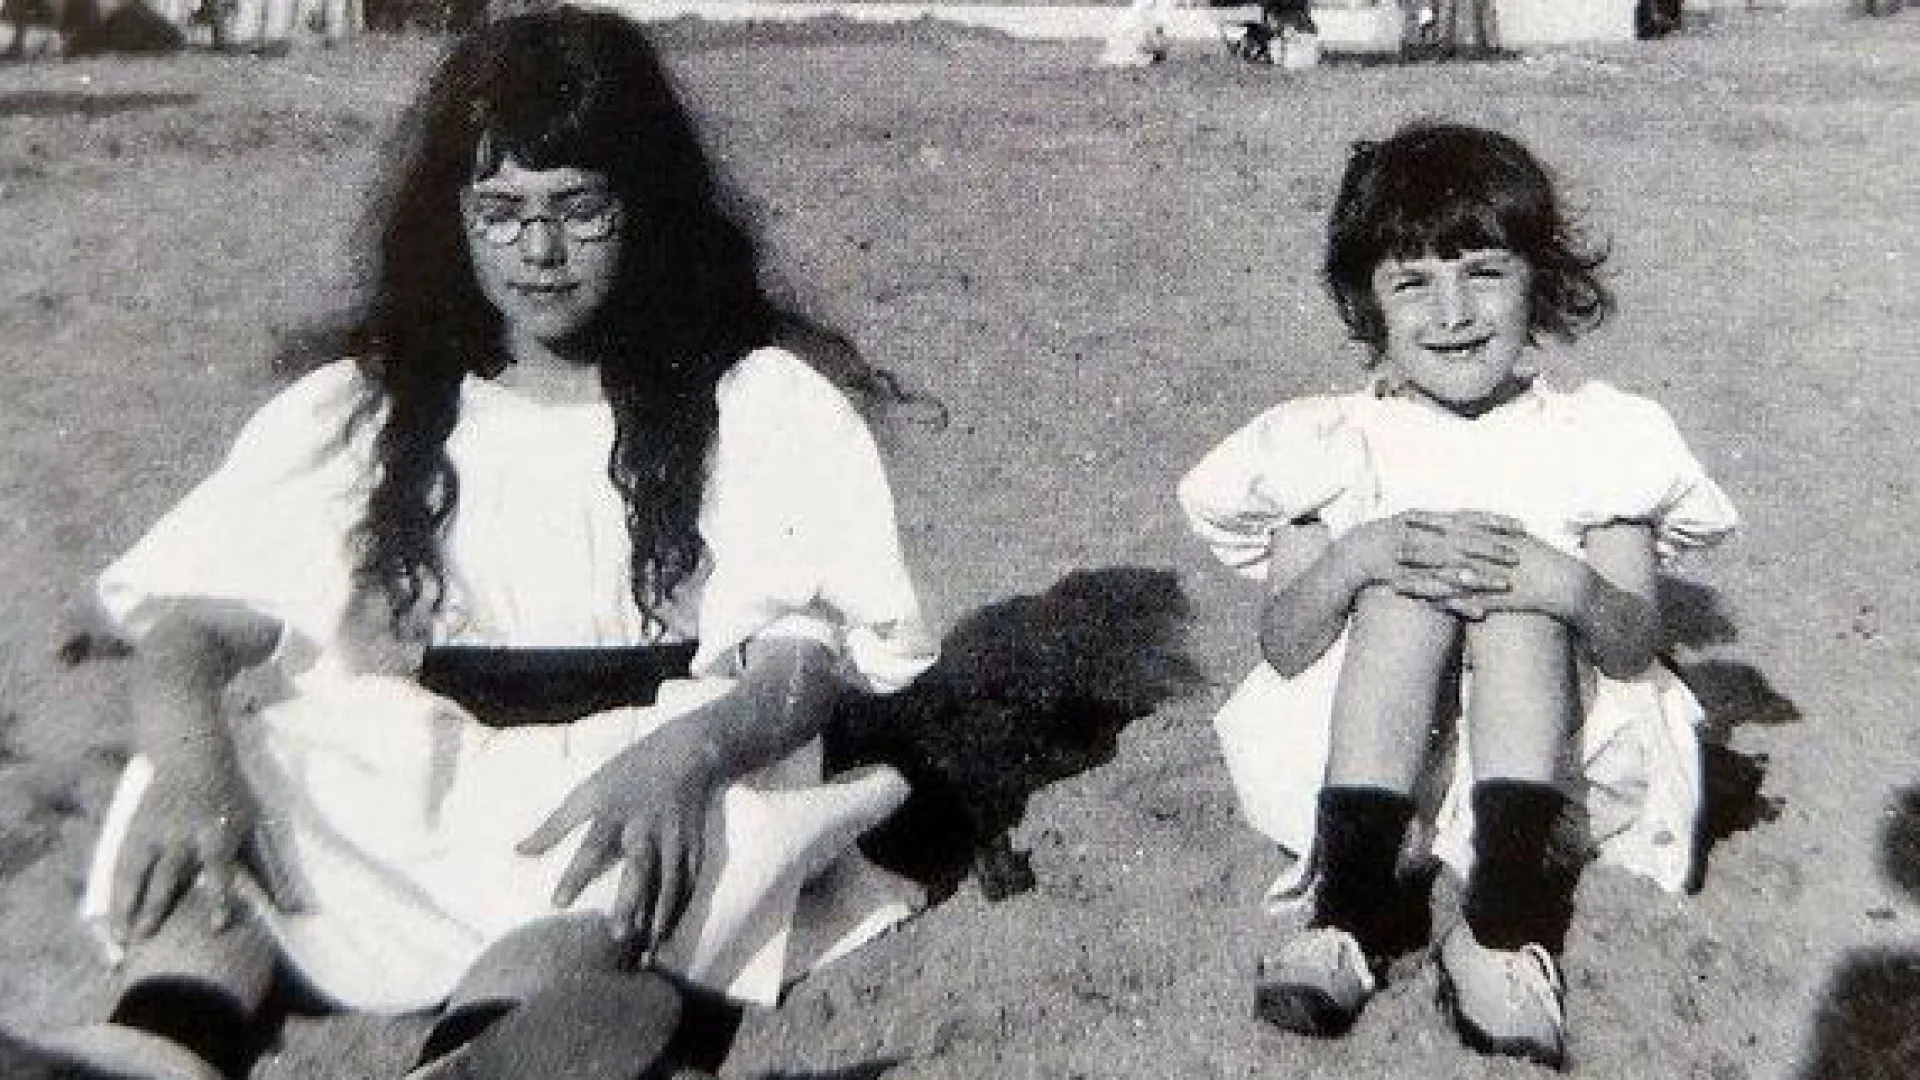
<point x="1521" y="889"/>
<point x="1360" y="833"/>
<point x="459" y="1027"/>
<point x="198" y="1015"/>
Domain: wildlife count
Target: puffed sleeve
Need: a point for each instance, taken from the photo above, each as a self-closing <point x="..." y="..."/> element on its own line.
<point x="1288" y="464"/>
<point x="268" y="529"/>
<point x="799" y="522"/>
<point x="1646" y="473"/>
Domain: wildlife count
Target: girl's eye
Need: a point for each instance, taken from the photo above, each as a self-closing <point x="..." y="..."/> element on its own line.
<point x="495" y="208"/>
<point x="1405" y="284"/>
<point x="587" y="207"/>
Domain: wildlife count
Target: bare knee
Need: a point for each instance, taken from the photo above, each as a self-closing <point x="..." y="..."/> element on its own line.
<point x="1398" y="659"/>
<point x="1399" y="640"/>
<point x="1380" y="612"/>
<point x="239" y="959"/>
<point x="1519" y="640"/>
<point x="1522" y="707"/>
<point x="538" y="955"/>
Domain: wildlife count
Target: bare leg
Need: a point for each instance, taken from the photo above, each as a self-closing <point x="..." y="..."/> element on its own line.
<point x="1388" y="695"/>
<point x="516" y="968"/>
<point x="1398" y="651"/>
<point x="1497" y="969"/>
<point x="523" y="962"/>
<point x="1520" y="710"/>
<point x="1446" y="25"/>
<point x="1521" y="713"/>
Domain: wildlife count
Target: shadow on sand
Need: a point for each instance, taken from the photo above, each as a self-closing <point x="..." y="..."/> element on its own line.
<point x="54" y="104"/>
<point x="868" y="1070"/>
<point x="1868" y="1027"/>
<point x="17" y="1060"/>
<point x="1734" y="695"/>
<point x="1027" y="692"/>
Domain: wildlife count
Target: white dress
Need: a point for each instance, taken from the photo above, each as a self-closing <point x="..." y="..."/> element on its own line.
<point x="400" y="811"/>
<point x="1561" y="463"/>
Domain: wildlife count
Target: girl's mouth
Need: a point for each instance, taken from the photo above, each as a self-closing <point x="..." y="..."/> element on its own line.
<point x="1456" y="348"/>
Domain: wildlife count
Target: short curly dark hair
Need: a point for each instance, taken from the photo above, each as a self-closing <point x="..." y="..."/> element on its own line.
<point x="1441" y="189"/>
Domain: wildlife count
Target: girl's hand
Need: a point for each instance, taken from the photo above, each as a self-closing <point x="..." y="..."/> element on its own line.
<point x="645" y="809"/>
<point x="188" y="833"/>
<point x="197" y="816"/>
<point x="1531" y="576"/>
<point x="1437" y="556"/>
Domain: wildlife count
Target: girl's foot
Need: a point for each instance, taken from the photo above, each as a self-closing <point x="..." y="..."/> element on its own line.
<point x="1316" y="984"/>
<point x="119" y="1052"/>
<point x="1506" y="1002"/>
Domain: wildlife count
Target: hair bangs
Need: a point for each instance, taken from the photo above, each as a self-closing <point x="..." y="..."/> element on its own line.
<point x="1445" y="219"/>
<point x="546" y="106"/>
<point x="1442" y="190"/>
<point x="554" y="134"/>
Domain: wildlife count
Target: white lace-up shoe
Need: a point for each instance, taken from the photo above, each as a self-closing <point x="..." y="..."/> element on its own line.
<point x="1316" y="984"/>
<point x="1506" y="1002"/>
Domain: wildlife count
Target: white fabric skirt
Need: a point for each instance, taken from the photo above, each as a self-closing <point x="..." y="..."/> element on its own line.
<point x="1638" y="770"/>
<point x="396" y="814"/>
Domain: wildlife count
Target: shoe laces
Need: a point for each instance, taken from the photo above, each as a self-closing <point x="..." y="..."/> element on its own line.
<point x="1325" y="957"/>
<point x="1529" y="980"/>
<point x="1542" y="964"/>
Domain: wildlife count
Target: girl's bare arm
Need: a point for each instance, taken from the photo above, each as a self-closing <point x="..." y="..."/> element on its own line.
<point x="645" y="809"/>
<point x="1618" y="613"/>
<point x="194" y="819"/>
<point x="1610" y="600"/>
<point x="1315" y="578"/>
<point x="788" y="691"/>
<point x="1310" y="591"/>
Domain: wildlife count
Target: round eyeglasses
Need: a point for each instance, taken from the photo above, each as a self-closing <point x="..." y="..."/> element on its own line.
<point x="587" y="219"/>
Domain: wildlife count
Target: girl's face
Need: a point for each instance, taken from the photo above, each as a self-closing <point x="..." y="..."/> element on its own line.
<point x="1457" y="328"/>
<point x="545" y="246"/>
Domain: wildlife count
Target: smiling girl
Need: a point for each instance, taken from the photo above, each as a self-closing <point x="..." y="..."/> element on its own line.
<point x="1458" y="539"/>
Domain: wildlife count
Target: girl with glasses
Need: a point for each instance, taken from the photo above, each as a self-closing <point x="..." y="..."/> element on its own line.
<point x="550" y="588"/>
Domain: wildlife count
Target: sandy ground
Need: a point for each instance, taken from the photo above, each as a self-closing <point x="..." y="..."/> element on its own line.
<point x="1099" y="273"/>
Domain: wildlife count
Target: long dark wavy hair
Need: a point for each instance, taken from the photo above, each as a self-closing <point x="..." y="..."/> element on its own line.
<point x="1441" y="189"/>
<point x="563" y="88"/>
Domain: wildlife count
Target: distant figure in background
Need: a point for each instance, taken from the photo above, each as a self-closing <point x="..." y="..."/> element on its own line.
<point x="1139" y="35"/>
<point x="1446" y="29"/>
<point x="34" y="26"/>
<point x="543" y="601"/>
<point x="275" y="26"/>
<point x="1280" y="32"/>
<point x="1283" y="34"/>
<point x="1458" y="541"/>
<point x="1657" y="18"/>
<point x="87" y="27"/>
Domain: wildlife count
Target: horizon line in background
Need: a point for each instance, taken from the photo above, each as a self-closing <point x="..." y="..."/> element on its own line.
<point x="1347" y="26"/>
